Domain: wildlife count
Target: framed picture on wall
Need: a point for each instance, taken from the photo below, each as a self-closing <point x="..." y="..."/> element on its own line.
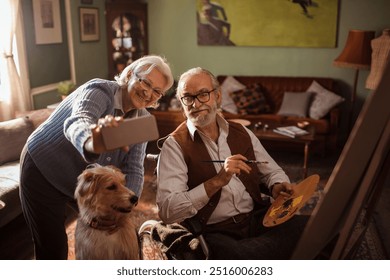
<point x="292" y="23"/>
<point x="47" y="22"/>
<point x="89" y="24"/>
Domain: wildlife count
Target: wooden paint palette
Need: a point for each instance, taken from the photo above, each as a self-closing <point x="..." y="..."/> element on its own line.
<point x="284" y="208"/>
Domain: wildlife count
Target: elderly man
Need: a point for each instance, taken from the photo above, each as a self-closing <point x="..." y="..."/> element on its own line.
<point x="206" y="173"/>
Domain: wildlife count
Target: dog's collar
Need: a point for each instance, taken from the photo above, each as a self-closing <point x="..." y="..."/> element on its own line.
<point x="103" y="224"/>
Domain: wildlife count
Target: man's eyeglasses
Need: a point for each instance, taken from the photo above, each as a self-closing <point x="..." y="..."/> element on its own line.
<point x="145" y="84"/>
<point x="202" y="97"/>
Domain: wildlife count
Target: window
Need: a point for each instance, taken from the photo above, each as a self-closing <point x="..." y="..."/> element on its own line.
<point x="18" y="51"/>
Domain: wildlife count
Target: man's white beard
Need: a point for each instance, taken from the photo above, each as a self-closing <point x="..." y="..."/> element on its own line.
<point x="204" y="120"/>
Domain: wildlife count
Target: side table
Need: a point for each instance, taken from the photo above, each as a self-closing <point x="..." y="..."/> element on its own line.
<point x="306" y="140"/>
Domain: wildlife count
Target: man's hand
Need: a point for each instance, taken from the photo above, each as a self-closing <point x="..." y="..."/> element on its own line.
<point x="285" y="189"/>
<point x="233" y="165"/>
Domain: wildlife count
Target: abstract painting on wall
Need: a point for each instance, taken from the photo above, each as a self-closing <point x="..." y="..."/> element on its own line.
<point x="276" y="23"/>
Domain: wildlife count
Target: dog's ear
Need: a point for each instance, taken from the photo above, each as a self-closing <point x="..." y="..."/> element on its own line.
<point x="84" y="181"/>
<point x="88" y="177"/>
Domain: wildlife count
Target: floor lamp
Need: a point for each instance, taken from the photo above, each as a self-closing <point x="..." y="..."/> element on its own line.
<point x="356" y="55"/>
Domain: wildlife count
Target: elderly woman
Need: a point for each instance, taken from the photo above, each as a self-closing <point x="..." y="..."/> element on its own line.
<point x="61" y="148"/>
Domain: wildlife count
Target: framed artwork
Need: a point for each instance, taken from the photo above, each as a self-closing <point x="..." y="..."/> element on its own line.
<point x="47" y="21"/>
<point x="89" y="24"/>
<point x="282" y="23"/>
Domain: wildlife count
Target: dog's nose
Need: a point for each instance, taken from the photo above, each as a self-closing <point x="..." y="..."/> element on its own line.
<point x="134" y="199"/>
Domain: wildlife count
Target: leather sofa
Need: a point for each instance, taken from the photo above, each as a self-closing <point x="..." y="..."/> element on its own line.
<point x="274" y="89"/>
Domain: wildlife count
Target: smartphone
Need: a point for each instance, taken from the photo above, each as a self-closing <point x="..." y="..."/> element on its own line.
<point x="130" y="131"/>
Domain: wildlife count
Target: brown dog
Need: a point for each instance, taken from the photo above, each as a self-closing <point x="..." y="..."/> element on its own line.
<point x="104" y="229"/>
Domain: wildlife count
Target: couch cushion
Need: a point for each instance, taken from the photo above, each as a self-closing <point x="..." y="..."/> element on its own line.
<point x="323" y="101"/>
<point x="36" y="116"/>
<point x="250" y="100"/>
<point x="13" y="136"/>
<point x="9" y="192"/>
<point x="230" y="84"/>
<point x="295" y="104"/>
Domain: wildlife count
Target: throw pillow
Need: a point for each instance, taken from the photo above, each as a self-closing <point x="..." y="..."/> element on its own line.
<point x="295" y="104"/>
<point x="323" y="101"/>
<point x="250" y="100"/>
<point x="13" y="136"/>
<point x="230" y="84"/>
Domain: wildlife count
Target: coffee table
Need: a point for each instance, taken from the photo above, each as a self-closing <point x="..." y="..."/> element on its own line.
<point x="269" y="135"/>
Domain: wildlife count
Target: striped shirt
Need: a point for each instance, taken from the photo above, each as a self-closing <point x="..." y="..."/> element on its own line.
<point x="57" y="145"/>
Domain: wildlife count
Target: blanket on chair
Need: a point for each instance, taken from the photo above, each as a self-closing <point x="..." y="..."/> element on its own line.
<point x="177" y="242"/>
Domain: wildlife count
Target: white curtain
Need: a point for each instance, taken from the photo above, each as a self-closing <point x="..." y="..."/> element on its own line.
<point x="12" y="97"/>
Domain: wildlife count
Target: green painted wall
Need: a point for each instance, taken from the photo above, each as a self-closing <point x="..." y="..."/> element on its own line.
<point x="90" y="57"/>
<point x="47" y="63"/>
<point x="172" y="33"/>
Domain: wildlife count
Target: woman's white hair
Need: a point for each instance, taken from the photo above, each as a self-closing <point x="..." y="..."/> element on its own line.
<point x="143" y="66"/>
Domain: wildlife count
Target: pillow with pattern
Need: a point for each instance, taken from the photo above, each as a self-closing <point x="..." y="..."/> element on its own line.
<point x="323" y="101"/>
<point x="250" y="100"/>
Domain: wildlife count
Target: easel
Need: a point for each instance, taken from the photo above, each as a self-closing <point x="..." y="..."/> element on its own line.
<point x="354" y="185"/>
<point x="365" y="200"/>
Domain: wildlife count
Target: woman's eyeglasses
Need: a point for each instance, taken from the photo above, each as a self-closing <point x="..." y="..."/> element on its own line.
<point x="146" y="85"/>
<point x="202" y="97"/>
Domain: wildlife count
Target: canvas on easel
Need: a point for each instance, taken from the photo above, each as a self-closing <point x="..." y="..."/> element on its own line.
<point x="357" y="175"/>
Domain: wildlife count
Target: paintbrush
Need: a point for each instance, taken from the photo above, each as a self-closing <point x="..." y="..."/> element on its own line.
<point x="246" y="161"/>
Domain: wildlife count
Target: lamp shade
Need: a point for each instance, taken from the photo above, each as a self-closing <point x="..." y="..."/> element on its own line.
<point x="357" y="51"/>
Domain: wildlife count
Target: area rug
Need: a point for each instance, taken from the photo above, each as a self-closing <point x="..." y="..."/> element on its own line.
<point x="371" y="246"/>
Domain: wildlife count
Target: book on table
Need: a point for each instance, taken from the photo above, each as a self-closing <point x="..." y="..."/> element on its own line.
<point x="291" y="131"/>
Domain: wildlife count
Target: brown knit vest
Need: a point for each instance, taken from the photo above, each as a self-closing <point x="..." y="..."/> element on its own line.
<point x="195" y="153"/>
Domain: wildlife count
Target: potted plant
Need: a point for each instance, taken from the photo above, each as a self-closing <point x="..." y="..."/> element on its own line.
<point x="65" y="88"/>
